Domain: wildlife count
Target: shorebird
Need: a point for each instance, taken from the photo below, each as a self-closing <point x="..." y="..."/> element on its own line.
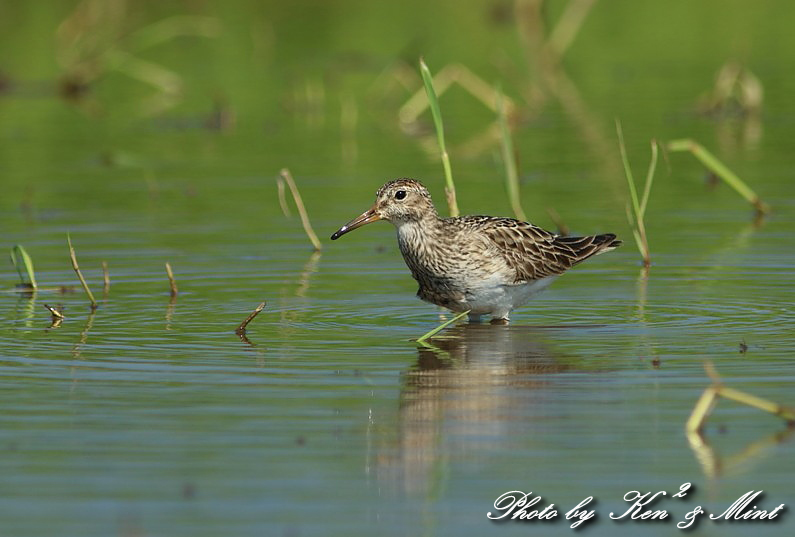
<point x="486" y="265"/>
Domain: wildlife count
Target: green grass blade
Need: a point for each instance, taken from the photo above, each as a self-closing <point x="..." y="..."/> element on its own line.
<point x="433" y="100"/>
<point x="441" y="327"/>
<point x="436" y="112"/>
<point x="718" y="168"/>
<point x="18" y="253"/>
<point x="649" y="179"/>
<point x="636" y="214"/>
<point x="627" y="170"/>
<point x="635" y="233"/>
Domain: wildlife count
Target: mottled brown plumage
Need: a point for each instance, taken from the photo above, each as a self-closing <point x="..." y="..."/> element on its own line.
<point x="484" y="264"/>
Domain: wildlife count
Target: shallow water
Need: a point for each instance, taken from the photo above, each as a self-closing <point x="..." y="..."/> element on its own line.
<point x="151" y="417"/>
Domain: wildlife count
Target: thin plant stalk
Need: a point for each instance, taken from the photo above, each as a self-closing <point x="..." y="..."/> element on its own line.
<point x="299" y="204"/>
<point x="718" y="168"/>
<point x="563" y="229"/>
<point x="172" y="283"/>
<point x="509" y="159"/>
<point x="282" y="199"/>
<point x="105" y="278"/>
<point x="437" y="121"/>
<point x="701" y="410"/>
<point x="19" y="256"/>
<point x="569" y="25"/>
<point x="636" y="214"/>
<point x="80" y="274"/>
<point x="441" y="327"/>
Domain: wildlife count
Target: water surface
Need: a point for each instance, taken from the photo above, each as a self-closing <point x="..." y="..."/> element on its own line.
<point x="151" y="417"/>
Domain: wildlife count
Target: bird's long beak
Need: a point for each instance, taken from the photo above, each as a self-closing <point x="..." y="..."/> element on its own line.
<point x="366" y="217"/>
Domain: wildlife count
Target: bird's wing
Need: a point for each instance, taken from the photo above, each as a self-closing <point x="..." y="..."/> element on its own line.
<point x="533" y="253"/>
<point x="529" y="251"/>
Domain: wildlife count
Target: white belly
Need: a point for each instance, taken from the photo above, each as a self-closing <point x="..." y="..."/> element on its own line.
<point x="499" y="300"/>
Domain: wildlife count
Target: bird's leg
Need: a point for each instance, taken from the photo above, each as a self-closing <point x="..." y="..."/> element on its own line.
<point x="474" y="318"/>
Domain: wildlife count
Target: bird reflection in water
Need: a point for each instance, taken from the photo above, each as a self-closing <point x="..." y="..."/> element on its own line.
<point x="466" y="392"/>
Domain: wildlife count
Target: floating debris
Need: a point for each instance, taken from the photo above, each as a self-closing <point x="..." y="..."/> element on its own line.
<point x="241" y="330"/>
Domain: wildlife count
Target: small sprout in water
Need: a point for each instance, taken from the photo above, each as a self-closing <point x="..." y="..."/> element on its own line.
<point x="56" y="312"/>
<point x="172" y="283"/>
<point x="20" y="259"/>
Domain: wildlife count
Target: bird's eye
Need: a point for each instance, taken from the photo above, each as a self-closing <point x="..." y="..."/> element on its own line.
<point x="400" y="194"/>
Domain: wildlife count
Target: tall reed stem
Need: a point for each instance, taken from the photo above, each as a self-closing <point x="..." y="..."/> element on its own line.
<point x="509" y="158"/>
<point x="437" y="121"/>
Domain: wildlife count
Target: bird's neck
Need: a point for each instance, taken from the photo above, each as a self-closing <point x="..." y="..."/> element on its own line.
<point x="418" y="241"/>
<point x="421" y="230"/>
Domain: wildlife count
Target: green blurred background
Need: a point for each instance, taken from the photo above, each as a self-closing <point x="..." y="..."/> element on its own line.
<point x="154" y="131"/>
<point x="316" y="86"/>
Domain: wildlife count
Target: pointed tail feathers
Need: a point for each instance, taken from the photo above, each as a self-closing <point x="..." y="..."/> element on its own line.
<point x="585" y="247"/>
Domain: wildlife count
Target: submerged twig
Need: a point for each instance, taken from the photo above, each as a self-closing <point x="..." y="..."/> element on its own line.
<point x="172" y="283"/>
<point x="299" y="204"/>
<point x="441" y="327"/>
<point x="718" y="168"/>
<point x="80" y="274"/>
<point x="707" y="401"/>
<point x="241" y="330"/>
<point x="437" y="121"/>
